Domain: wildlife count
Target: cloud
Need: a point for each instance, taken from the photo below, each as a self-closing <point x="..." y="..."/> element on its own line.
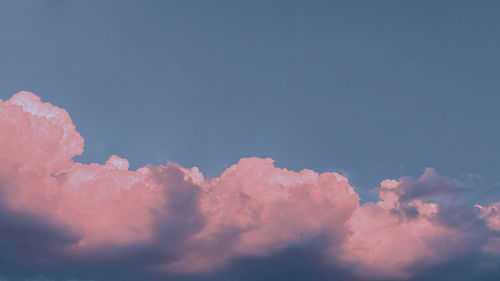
<point x="408" y="231"/>
<point x="91" y="221"/>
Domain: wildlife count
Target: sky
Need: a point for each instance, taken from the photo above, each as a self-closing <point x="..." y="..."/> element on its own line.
<point x="391" y="107"/>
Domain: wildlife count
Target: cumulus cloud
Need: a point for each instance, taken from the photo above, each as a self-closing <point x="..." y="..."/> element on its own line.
<point x="170" y="220"/>
<point x="407" y="230"/>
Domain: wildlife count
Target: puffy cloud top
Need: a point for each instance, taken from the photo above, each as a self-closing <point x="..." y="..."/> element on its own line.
<point x="168" y="219"/>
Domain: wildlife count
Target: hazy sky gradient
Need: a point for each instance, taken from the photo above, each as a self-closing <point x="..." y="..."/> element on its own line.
<point x="376" y="89"/>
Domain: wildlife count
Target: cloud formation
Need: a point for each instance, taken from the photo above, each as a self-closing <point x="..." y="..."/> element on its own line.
<point x="169" y="220"/>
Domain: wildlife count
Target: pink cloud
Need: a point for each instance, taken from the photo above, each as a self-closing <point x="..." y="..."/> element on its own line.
<point x="392" y="235"/>
<point x="195" y="224"/>
<point x="491" y="215"/>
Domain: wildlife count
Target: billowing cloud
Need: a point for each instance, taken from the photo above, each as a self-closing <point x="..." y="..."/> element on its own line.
<point x="398" y="235"/>
<point x="169" y="220"/>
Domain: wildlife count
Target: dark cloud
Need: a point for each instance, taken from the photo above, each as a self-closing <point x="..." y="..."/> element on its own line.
<point x="430" y="186"/>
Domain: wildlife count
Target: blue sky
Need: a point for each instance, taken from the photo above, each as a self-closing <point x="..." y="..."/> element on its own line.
<point x="377" y="89"/>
